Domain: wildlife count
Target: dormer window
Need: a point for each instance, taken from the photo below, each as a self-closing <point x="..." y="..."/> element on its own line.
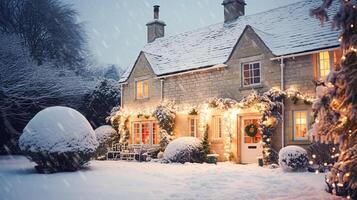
<point x="251" y="74"/>
<point x="142" y="89"/>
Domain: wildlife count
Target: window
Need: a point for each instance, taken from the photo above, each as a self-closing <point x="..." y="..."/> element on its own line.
<point x="155" y="137"/>
<point x="145" y="132"/>
<point x="192" y="125"/>
<point x="142" y="89"/>
<point x="300" y="125"/>
<point x="324" y="64"/>
<point x="136" y="132"/>
<point x="217" y="127"/>
<point x="251" y="74"/>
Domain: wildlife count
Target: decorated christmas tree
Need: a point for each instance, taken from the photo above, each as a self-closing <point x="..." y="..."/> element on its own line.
<point x="336" y="106"/>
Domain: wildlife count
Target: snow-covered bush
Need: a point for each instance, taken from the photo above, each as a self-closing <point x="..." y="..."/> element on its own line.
<point x="58" y="139"/>
<point x="166" y="115"/>
<point x="293" y="158"/>
<point x="104" y="136"/>
<point x="184" y="149"/>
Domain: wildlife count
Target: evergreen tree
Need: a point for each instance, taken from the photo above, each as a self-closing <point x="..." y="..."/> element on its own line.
<point x="336" y="107"/>
<point x="105" y="96"/>
<point x="205" y="143"/>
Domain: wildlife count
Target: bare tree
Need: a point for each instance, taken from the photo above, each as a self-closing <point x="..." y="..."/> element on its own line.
<point x="49" y="29"/>
<point x="26" y="88"/>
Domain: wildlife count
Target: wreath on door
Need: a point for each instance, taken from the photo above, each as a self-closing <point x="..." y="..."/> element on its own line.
<point x="251" y="130"/>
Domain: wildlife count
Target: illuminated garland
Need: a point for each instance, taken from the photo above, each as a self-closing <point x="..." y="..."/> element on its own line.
<point x="118" y="119"/>
<point x="269" y="104"/>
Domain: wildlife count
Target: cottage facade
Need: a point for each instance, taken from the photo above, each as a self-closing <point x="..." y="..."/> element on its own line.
<point x="281" y="48"/>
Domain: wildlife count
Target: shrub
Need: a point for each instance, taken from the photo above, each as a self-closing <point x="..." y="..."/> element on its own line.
<point x="58" y="139"/>
<point x="184" y="149"/>
<point x="293" y="158"/>
<point x="104" y="136"/>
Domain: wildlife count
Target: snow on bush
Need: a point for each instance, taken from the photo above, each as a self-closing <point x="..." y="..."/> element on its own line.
<point x="58" y="139"/>
<point x="104" y="136"/>
<point x="104" y="133"/>
<point x="293" y="158"/>
<point x="184" y="149"/>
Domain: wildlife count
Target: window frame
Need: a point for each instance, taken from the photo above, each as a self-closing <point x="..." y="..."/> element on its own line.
<point x="151" y="125"/>
<point x="142" y="89"/>
<point x="195" y="133"/>
<point x="260" y="73"/>
<point x="330" y="62"/>
<point x="217" y="127"/>
<point x="294" y="126"/>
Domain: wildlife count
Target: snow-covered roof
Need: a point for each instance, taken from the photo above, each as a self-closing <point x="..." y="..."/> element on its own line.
<point x="285" y="30"/>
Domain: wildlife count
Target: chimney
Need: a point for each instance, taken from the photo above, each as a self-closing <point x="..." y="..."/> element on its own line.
<point x="156" y="27"/>
<point x="233" y="9"/>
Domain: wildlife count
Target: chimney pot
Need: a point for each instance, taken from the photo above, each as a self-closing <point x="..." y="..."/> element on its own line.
<point x="156" y="11"/>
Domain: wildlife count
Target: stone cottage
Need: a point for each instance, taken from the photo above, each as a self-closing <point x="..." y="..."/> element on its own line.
<point x="280" y="48"/>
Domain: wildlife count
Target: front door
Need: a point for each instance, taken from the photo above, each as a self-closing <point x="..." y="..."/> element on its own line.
<point x="251" y="147"/>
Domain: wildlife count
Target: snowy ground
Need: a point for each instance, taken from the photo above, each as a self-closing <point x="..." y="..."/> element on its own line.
<point x="120" y="180"/>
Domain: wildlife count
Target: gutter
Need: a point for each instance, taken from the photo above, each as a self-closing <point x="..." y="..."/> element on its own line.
<point x="218" y="66"/>
<point x="303" y="53"/>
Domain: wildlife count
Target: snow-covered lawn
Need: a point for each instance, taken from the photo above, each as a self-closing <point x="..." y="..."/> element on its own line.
<point x="120" y="180"/>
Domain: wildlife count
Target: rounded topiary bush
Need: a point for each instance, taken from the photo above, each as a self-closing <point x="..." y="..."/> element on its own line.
<point x="58" y="139"/>
<point x="184" y="149"/>
<point x="293" y="158"/>
<point x="104" y="136"/>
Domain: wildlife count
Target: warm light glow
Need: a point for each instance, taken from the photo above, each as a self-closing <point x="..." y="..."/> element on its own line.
<point x="324" y="64"/>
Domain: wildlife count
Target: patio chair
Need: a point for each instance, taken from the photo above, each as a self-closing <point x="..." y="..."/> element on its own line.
<point x="114" y="152"/>
<point x="127" y="152"/>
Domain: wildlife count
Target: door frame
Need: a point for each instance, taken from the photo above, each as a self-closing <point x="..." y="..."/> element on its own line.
<point x="239" y="132"/>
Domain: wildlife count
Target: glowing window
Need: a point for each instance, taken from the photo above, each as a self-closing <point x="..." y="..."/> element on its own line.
<point x="142" y="89"/>
<point x="324" y="64"/>
<point x="136" y="133"/>
<point x="192" y="125"/>
<point x="300" y="125"/>
<point x="217" y="127"/>
<point x="145" y="132"/>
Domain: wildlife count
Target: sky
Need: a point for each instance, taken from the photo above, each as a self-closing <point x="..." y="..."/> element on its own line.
<point x="116" y="29"/>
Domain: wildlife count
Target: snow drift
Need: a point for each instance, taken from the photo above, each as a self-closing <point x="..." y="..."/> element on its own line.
<point x="59" y="138"/>
<point x="184" y="149"/>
